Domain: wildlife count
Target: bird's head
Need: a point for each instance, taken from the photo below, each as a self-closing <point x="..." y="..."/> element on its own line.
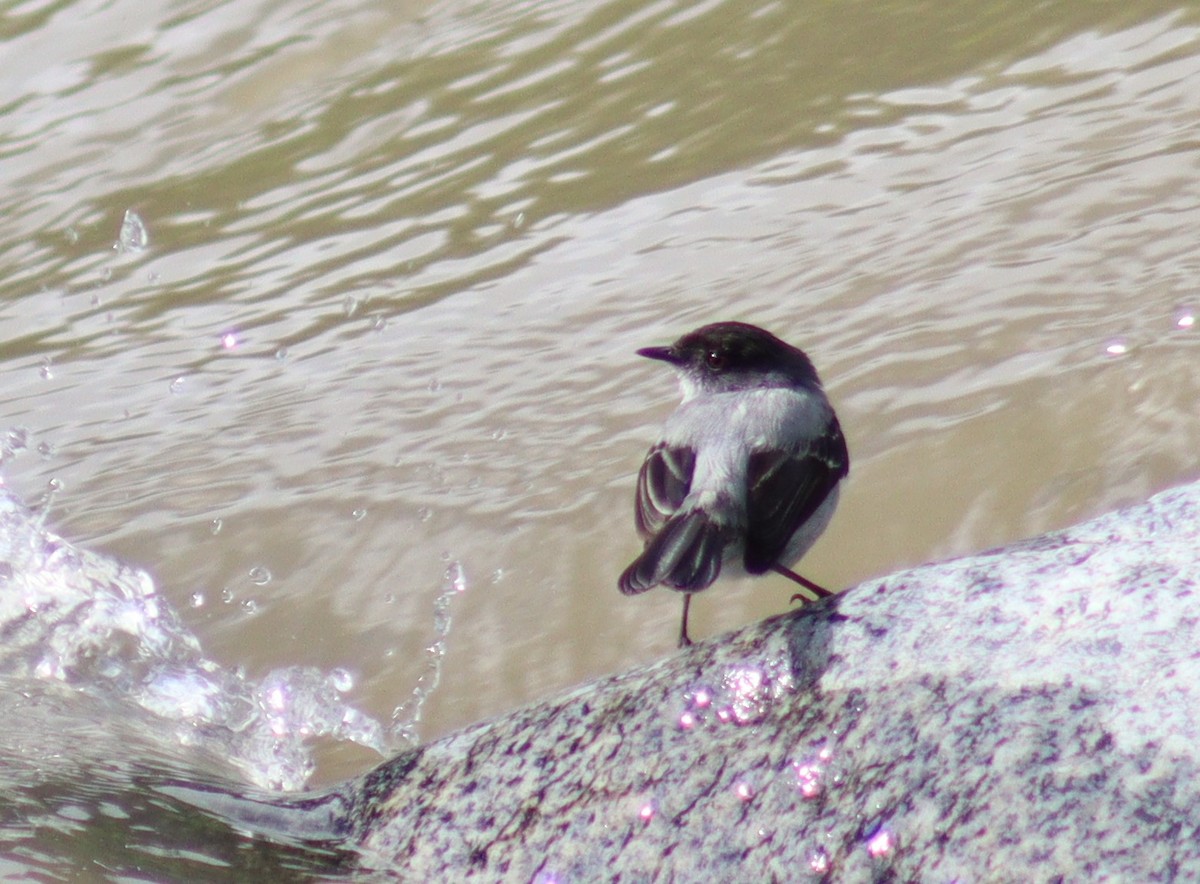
<point x="728" y="356"/>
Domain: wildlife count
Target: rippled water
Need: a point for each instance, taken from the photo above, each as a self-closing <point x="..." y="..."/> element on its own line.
<point x="378" y="337"/>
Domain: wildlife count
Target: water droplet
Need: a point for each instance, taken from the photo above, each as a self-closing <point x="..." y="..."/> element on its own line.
<point x="434" y="385"/>
<point x="197" y="599"/>
<point x="177" y="385"/>
<point x="227" y="595"/>
<point x="818" y="861"/>
<point x="342" y="680"/>
<point x="229" y="340"/>
<point x="46" y="450"/>
<point x="1116" y="347"/>
<point x="647" y="811"/>
<point x="389" y="599"/>
<point x="881" y="843"/>
<point x="519" y="221"/>
<point x="1185" y="317"/>
<point x="281" y="354"/>
<point x="133" y="236"/>
<point x="250" y="606"/>
<point x="743" y="790"/>
<point x="497" y="575"/>
<point x="215" y="526"/>
<point x="72" y="235"/>
<point x="15" y="440"/>
<point x="809" y="778"/>
<point x="45" y="371"/>
<point x="748" y="690"/>
<point x="456" y="577"/>
<point x="350" y="305"/>
<point x="260" y="575"/>
<point x="359" y="514"/>
<point x="424" y="514"/>
<point x="378" y="324"/>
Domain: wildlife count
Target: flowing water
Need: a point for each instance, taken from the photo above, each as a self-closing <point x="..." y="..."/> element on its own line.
<point x="324" y="314"/>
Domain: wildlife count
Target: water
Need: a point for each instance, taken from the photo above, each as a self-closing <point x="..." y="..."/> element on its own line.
<point x="100" y="630"/>
<point x="397" y="258"/>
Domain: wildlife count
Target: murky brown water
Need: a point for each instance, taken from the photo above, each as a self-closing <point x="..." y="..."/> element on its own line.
<point x="437" y="234"/>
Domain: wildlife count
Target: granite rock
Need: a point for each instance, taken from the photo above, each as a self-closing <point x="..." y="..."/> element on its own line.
<point x="1031" y="713"/>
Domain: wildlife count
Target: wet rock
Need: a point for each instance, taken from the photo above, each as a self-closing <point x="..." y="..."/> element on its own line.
<point x="1027" y="713"/>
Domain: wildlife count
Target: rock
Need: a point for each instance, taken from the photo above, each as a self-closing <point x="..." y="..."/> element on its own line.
<point x="1024" y="714"/>
<point x="1031" y="713"/>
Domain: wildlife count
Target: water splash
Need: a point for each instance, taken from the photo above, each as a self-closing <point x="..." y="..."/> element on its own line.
<point x="407" y="716"/>
<point x="745" y="696"/>
<point x="75" y="617"/>
<point x="746" y="687"/>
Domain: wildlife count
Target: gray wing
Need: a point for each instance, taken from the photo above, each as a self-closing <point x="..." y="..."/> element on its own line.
<point x="785" y="489"/>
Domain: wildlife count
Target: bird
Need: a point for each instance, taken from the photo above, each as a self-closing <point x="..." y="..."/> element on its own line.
<point x="746" y="473"/>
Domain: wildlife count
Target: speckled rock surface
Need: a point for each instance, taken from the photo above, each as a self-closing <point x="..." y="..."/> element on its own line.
<point x="1022" y="715"/>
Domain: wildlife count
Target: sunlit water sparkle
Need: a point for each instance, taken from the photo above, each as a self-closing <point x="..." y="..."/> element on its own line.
<point x="74" y="617"/>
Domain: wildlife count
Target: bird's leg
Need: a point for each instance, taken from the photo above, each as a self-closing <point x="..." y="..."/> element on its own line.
<point x="684" y="641"/>
<point x="815" y="588"/>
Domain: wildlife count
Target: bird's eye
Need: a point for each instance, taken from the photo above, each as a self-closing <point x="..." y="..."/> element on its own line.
<point x="715" y="360"/>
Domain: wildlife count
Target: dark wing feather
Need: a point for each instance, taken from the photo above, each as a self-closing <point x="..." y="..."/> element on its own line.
<point x="683" y="550"/>
<point x="663" y="483"/>
<point x="785" y="489"/>
<point x="686" y="554"/>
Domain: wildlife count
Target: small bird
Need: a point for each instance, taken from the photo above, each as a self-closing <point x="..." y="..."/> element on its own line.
<point x="746" y="470"/>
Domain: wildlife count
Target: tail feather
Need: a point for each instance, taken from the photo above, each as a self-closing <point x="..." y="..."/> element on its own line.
<point x="686" y="554"/>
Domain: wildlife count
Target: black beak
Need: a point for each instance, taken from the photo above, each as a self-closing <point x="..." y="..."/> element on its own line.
<point x="663" y="354"/>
